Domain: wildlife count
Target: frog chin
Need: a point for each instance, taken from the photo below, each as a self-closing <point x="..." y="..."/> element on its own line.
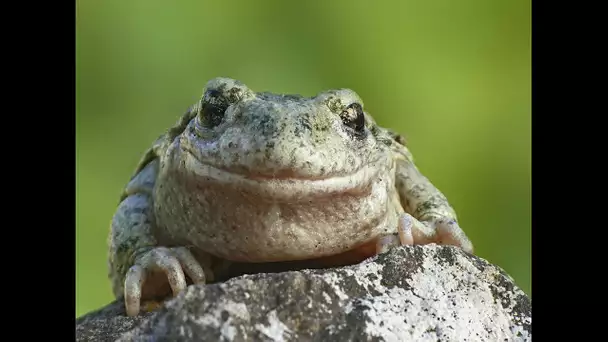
<point x="286" y="187"/>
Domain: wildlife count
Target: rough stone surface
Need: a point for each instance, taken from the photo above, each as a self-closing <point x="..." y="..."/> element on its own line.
<point x="107" y="323"/>
<point x="420" y="293"/>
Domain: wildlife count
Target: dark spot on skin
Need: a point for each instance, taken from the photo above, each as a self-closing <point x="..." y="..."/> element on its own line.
<point x="305" y="122"/>
<point x="292" y="159"/>
<point x="261" y="121"/>
<point x="123" y="247"/>
<point x="426" y="206"/>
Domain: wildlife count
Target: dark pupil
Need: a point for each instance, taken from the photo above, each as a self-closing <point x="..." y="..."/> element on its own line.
<point x="213" y="108"/>
<point x="352" y="116"/>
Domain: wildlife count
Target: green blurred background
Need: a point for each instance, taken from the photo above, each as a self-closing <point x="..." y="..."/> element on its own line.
<point x="453" y="76"/>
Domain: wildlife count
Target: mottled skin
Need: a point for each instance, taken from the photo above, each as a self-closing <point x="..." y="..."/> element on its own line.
<point x="253" y="178"/>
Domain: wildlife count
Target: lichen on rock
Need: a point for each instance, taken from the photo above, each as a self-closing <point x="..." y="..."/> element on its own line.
<point x="410" y="293"/>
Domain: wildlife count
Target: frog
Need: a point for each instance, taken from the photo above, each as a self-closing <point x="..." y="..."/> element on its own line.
<point x="246" y="177"/>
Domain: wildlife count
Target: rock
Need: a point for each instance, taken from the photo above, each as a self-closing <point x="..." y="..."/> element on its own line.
<point x="417" y="293"/>
<point x="107" y="323"/>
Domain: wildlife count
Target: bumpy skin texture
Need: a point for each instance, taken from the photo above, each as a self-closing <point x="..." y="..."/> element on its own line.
<point x="246" y="177"/>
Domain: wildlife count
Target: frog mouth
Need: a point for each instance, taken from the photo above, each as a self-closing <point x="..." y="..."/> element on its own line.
<point x="287" y="185"/>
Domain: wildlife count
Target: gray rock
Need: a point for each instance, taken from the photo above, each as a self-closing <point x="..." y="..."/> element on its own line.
<point x="107" y="323"/>
<point x="420" y="293"/>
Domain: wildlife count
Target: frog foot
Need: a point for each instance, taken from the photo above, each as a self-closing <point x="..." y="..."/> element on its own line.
<point x="414" y="232"/>
<point x="158" y="272"/>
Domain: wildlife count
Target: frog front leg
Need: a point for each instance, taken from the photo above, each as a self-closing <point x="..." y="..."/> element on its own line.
<point x="138" y="267"/>
<point x="428" y="216"/>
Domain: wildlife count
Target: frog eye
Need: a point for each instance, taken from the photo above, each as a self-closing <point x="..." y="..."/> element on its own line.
<point x="213" y="107"/>
<point x="353" y="118"/>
